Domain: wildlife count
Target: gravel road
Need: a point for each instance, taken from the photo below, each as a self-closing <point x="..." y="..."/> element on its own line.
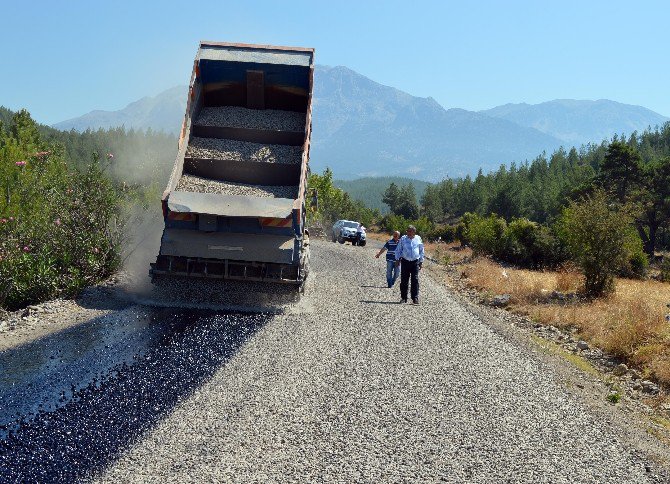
<point x="347" y="385"/>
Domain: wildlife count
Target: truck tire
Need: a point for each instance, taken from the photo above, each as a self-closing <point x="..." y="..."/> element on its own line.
<point x="340" y="240"/>
<point x="362" y="243"/>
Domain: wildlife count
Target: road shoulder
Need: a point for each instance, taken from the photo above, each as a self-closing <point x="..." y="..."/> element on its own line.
<point x="636" y="420"/>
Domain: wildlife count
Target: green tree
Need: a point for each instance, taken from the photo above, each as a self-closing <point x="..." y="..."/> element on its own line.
<point x="391" y="197"/>
<point x="335" y="204"/>
<point x="597" y="235"/>
<point x="431" y="201"/>
<point x="407" y="204"/>
<point x="654" y="202"/>
<point x="621" y="170"/>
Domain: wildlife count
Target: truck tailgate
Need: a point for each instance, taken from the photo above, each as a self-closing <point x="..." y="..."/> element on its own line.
<point x="229" y="205"/>
<point x="223" y="245"/>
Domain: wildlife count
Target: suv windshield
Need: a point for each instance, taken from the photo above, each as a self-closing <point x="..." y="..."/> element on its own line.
<point x="351" y="225"/>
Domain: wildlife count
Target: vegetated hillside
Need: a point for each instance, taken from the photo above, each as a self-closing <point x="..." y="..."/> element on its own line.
<point x="163" y="112"/>
<point x="362" y="128"/>
<point x="5" y="115"/>
<point x="139" y="156"/>
<point x="580" y="122"/>
<point x="60" y="229"/>
<point x="370" y="190"/>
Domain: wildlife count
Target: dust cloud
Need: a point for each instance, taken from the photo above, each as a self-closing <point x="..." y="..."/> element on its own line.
<point x="144" y="231"/>
<point x="142" y="166"/>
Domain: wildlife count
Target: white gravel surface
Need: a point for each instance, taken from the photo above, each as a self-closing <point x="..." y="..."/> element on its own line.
<point x="348" y="385"/>
<point x="238" y="117"/>
<point x="192" y="183"/>
<point x="225" y="149"/>
<point x="359" y="388"/>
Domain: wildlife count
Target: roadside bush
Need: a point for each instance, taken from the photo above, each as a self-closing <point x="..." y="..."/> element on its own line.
<point x="637" y="262"/>
<point x="521" y="242"/>
<point x="392" y="222"/>
<point x="60" y="230"/>
<point x="665" y="269"/>
<point x="529" y="244"/>
<point x="461" y="233"/>
<point x="486" y="235"/>
<point x="445" y="233"/>
<point x="335" y="204"/>
<point x="598" y="238"/>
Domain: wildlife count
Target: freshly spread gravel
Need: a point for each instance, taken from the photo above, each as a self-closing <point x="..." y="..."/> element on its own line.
<point x="191" y="183"/>
<point x="225" y="149"/>
<point x="237" y="117"/>
<point x="348" y="386"/>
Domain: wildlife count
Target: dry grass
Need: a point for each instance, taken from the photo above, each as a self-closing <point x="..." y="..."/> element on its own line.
<point x="568" y="280"/>
<point x="525" y="287"/>
<point x="451" y="253"/>
<point x="630" y="323"/>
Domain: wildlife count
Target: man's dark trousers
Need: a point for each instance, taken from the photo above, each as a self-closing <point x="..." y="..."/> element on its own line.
<point x="409" y="268"/>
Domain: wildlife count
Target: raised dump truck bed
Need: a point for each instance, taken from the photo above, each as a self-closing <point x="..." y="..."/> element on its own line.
<point x="234" y="207"/>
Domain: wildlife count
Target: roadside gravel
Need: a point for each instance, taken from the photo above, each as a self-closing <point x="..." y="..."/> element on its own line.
<point x="347" y="385"/>
<point x="226" y="149"/>
<point x="238" y="117"/>
<point x="192" y="183"/>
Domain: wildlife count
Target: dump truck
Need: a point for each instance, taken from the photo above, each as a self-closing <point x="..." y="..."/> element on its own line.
<point x="234" y="206"/>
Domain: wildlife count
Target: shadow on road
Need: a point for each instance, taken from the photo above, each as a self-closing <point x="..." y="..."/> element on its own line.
<point x="375" y="287"/>
<point x="82" y="437"/>
<point x="380" y="302"/>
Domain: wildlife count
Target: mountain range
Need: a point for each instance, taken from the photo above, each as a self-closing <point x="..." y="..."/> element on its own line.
<point x="579" y="122"/>
<point x="162" y="112"/>
<point x="363" y="128"/>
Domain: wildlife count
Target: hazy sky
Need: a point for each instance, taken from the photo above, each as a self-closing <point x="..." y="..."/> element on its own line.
<point x="62" y="59"/>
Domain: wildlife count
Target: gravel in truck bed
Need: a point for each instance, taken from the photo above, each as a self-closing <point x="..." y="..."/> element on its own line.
<point x="226" y="149"/>
<point x="191" y="183"/>
<point x="237" y="117"/>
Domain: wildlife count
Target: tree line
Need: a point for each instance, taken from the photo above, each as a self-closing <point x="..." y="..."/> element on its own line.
<point x="632" y="170"/>
<point x="605" y="207"/>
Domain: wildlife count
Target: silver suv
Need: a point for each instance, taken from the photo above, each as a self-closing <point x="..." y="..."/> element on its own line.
<point x="347" y="230"/>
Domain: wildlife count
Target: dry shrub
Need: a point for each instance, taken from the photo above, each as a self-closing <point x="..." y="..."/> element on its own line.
<point x="452" y="250"/>
<point x="630" y="323"/>
<point x="660" y="366"/>
<point x="522" y="285"/>
<point x="619" y="325"/>
<point x="628" y="327"/>
<point x="568" y="280"/>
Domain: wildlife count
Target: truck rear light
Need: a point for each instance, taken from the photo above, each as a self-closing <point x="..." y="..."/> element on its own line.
<point x="275" y="222"/>
<point x="181" y="216"/>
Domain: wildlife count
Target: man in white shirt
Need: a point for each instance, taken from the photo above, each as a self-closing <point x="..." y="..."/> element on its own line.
<point x="360" y="230"/>
<point x="409" y="255"/>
